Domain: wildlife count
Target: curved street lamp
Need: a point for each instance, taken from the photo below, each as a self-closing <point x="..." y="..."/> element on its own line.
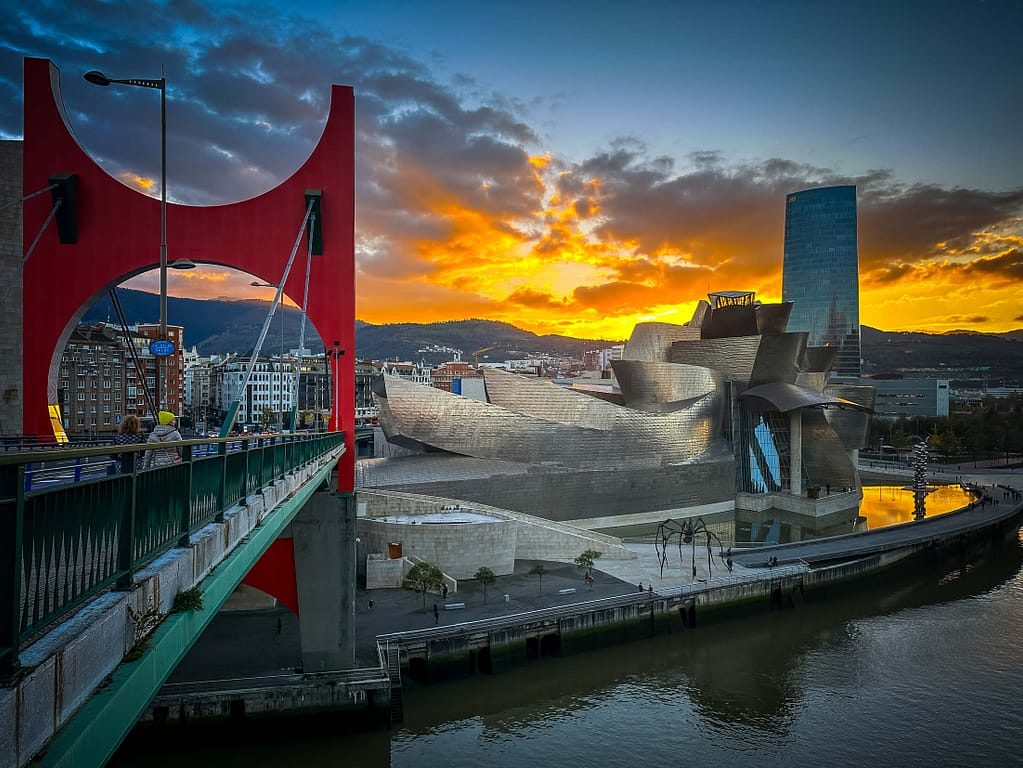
<point x="98" y="78"/>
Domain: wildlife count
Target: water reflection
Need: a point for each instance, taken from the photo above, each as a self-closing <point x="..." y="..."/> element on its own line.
<point x="770" y="688"/>
<point x="890" y="505"/>
<point x="744" y="671"/>
<point x="881" y="506"/>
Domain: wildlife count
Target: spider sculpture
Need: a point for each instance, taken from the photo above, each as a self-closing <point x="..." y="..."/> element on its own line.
<point x="685" y="532"/>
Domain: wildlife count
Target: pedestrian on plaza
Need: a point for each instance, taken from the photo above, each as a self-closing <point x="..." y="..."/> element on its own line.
<point x="650" y="589"/>
<point x="164" y="432"/>
<point x="728" y="562"/>
<point x="444" y="592"/>
<point x="641" y="586"/>
<point x="129" y="432"/>
<point x="436" y="614"/>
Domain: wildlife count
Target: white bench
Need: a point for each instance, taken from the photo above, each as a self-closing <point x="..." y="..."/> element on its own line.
<point x="454" y="606"/>
<point x="566" y="591"/>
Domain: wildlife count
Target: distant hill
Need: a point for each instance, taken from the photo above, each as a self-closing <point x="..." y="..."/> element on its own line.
<point x="958" y="355"/>
<point x="221" y="326"/>
<point x="413" y="341"/>
<point x="211" y="326"/>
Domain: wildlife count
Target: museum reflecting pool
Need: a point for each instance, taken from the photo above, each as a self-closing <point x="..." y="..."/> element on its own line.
<point x="882" y="506"/>
<point x="885" y="505"/>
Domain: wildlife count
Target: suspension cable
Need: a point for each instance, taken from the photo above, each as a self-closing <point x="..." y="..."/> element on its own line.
<point x="305" y="309"/>
<point x="39" y="234"/>
<point x="139" y="371"/>
<point x="225" y="429"/>
<point x="29" y="196"/>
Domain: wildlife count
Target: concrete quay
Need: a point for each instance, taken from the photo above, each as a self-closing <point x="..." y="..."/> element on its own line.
<point x="559" y="615"/>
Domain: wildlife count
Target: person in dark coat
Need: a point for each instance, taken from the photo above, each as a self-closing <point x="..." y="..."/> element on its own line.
<point x="129" y="432"/>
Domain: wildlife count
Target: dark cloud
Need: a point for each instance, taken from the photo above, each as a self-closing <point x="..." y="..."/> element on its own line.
<point x="446" y="173"/>
<point x="968" y="319"/>
<point x="533" y="299"/>
<point x="246" y="104"/>
<point x="1007" y="266"/>
<point x="718" y="215"/>
<point x="907" y="223"/>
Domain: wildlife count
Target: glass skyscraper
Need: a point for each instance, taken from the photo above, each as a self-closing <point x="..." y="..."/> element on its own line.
<point x="821" y="272"/>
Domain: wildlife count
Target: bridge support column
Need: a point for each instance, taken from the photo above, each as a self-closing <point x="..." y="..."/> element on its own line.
<point x="324" y="540"/>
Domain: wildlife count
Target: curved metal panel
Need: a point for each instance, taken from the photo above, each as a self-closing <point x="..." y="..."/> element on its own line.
<point x="773" y="318"/>
<point x="777" y="358"/>
<point x="825" y="459"/>
<point x="820" y="359"/>
<point x="734" y="357"/>
<point x="663" y="386"/>
<point x="782" y="397"/>
<point x="851" y="426"/>
<point x="652" y="341"/>
<point x="730" y="321"/>
<point x="602" y="435"/>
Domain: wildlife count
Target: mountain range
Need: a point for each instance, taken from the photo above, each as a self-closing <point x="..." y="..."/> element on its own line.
<point x="221" y="326"/>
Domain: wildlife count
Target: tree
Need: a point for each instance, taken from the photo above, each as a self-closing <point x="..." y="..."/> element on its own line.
<point x="537" y="570"/>
<point x="423" y="578"/>
<point x="266" y="418"/>
<point x="485" y="576"/>
<point x="586" y="560"/>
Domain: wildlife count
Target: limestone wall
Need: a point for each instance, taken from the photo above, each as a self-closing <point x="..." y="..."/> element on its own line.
<point x="10" y="286"/>
<point x="467" y="547"/>
<point x="458" y="549"/>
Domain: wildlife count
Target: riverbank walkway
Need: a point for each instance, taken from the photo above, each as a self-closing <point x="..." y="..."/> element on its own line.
<point x="271" y="641"/>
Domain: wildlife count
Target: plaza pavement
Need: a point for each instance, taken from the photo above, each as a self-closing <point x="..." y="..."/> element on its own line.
<point x="240" y="644"/>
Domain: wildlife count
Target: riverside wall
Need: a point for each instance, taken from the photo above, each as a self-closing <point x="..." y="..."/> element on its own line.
<point x="502" y="644"/>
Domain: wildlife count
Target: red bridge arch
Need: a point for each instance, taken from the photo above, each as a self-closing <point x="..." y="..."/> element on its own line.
<point x="118" y="235"/>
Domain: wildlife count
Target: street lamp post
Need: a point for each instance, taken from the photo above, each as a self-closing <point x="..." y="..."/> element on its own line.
<point x="98" y="78"/>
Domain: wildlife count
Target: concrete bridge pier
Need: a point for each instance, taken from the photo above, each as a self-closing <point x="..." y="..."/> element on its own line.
<point x="324" y="539"/>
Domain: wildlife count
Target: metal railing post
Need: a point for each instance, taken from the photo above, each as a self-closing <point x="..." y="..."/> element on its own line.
<point x="222" y="486"/>
<point x="186" y="509"/>
<point x="11" y="526"/>
<point x="126" y="534"/>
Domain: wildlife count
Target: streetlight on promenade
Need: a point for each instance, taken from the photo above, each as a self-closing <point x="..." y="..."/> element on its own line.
<point x="98" y="78"/>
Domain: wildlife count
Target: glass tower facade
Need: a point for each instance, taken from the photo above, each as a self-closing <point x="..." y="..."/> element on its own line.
<point x="821" y="271"/>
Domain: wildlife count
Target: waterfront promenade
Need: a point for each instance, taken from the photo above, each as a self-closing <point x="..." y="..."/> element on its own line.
<point x="271" y="642"/>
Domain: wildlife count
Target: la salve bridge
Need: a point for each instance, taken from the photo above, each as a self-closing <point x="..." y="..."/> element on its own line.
<point x="97" y="571"/>
<point x="107" y="580"/>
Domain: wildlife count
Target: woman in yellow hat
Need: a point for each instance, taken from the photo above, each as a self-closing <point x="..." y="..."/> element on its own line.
<point x="164" y="432"/>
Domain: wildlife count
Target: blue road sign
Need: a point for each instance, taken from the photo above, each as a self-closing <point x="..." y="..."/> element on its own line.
<point x="162" y="348"/>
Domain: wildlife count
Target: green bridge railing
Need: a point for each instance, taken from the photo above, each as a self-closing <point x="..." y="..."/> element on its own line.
<point x="62" y="544"/>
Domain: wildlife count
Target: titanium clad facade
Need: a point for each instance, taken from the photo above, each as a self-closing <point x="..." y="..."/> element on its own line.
<point x="821" y="271"/>
<point x="695" y="418"/>
<point x="537" y="421"/>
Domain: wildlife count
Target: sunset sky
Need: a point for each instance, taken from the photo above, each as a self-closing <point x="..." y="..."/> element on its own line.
<point x="577" y="167"/>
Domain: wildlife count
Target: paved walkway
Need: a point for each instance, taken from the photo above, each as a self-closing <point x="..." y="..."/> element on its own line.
<point x="253" y="643"/>
<point x="221" y="653"/>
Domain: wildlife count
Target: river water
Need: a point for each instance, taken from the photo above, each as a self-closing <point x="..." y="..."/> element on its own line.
<point x="920" y="668"/>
